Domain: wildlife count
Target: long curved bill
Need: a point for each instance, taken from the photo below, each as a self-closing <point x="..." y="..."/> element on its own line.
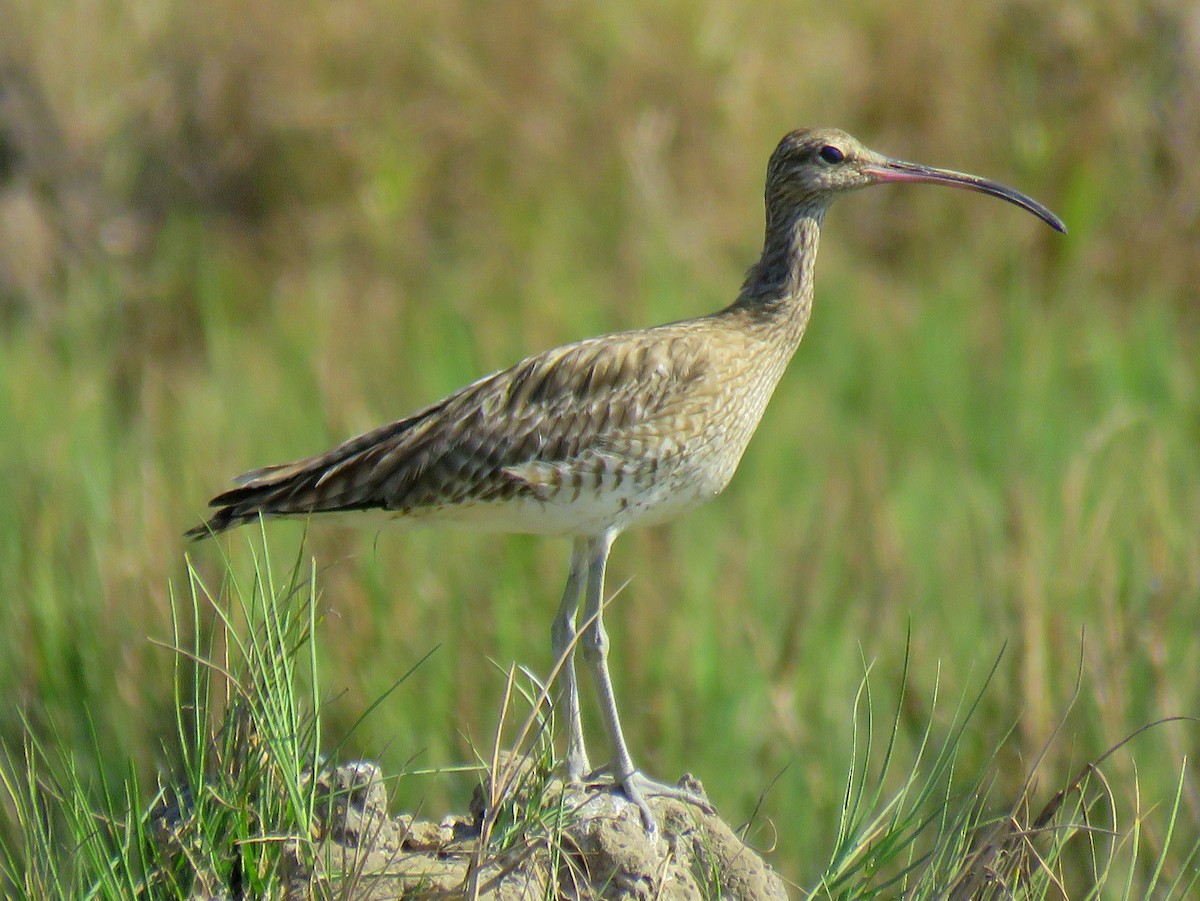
<point x="886" y="170"/>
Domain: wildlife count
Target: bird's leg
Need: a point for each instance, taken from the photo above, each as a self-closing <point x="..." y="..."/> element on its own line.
<point x="594" y="647"/>
<point x="562" y="637"/>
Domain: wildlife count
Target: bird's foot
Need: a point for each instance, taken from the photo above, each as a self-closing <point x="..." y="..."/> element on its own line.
<point x="578" y="768"/>
<point x="637" y="787"/>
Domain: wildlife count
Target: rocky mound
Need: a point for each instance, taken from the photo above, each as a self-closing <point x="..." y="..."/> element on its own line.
<point x="577" y="843"/>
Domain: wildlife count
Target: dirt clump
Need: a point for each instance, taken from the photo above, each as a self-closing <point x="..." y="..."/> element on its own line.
<point x="544" y="839"/>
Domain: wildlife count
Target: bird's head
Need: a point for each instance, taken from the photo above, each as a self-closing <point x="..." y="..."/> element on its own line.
<point x="812" y="166"/>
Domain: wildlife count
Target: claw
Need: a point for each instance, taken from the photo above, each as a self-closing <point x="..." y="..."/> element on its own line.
<point x="638" y="787"/>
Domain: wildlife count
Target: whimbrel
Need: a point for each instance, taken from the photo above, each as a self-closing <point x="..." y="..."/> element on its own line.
<point x="594" y="437"/>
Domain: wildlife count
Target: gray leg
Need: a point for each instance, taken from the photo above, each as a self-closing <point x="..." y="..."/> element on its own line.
<point x="594" y="647"/>
<point x="562" y="637"/>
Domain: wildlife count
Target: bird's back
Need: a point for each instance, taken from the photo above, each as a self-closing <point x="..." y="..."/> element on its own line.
<point x="599" y="434"/>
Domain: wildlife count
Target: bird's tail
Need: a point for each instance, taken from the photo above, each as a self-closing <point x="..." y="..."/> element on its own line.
<point x="270" y="491"/>
<point x="326" y="483"/>
<point x="222" y="520"/>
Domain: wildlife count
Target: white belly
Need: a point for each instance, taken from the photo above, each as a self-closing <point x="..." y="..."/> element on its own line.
<point x="588" y="513"/>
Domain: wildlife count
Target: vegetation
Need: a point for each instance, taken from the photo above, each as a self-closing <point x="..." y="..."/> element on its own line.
<point x="251" y="808"/>
<point x="235" y="233"/>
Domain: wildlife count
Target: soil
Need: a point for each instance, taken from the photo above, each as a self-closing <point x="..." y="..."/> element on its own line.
<point x="581" y="842"/>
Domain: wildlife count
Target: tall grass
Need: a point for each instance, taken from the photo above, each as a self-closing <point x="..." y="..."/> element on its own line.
<point x="235" y="792"/>
<point x="245" y="804"/>
<point x="234" y="235"/>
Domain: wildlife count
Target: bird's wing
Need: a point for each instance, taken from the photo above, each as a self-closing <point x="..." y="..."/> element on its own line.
<point x="583" y="405"/>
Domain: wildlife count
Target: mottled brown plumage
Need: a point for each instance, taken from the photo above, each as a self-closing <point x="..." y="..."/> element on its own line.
<point x="593" y="437"/>
<point x="636" y="417"/>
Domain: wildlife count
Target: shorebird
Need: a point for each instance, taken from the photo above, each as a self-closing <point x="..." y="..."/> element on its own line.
<point x="594" y="437"/>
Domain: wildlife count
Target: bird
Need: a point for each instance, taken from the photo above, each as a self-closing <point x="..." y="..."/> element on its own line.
<point x="592" y="438"/>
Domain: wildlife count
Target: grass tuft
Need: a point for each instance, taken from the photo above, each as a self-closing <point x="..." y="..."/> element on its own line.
<point x="236" y="790"/>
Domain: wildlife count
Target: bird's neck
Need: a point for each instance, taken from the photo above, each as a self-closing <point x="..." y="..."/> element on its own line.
<point x="777" y="294"/>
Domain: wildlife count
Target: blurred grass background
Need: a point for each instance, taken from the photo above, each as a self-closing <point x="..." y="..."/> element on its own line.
<point x="234" y="233"/>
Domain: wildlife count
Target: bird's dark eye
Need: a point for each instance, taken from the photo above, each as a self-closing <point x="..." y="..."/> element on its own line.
<point x="831" y="154"/>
